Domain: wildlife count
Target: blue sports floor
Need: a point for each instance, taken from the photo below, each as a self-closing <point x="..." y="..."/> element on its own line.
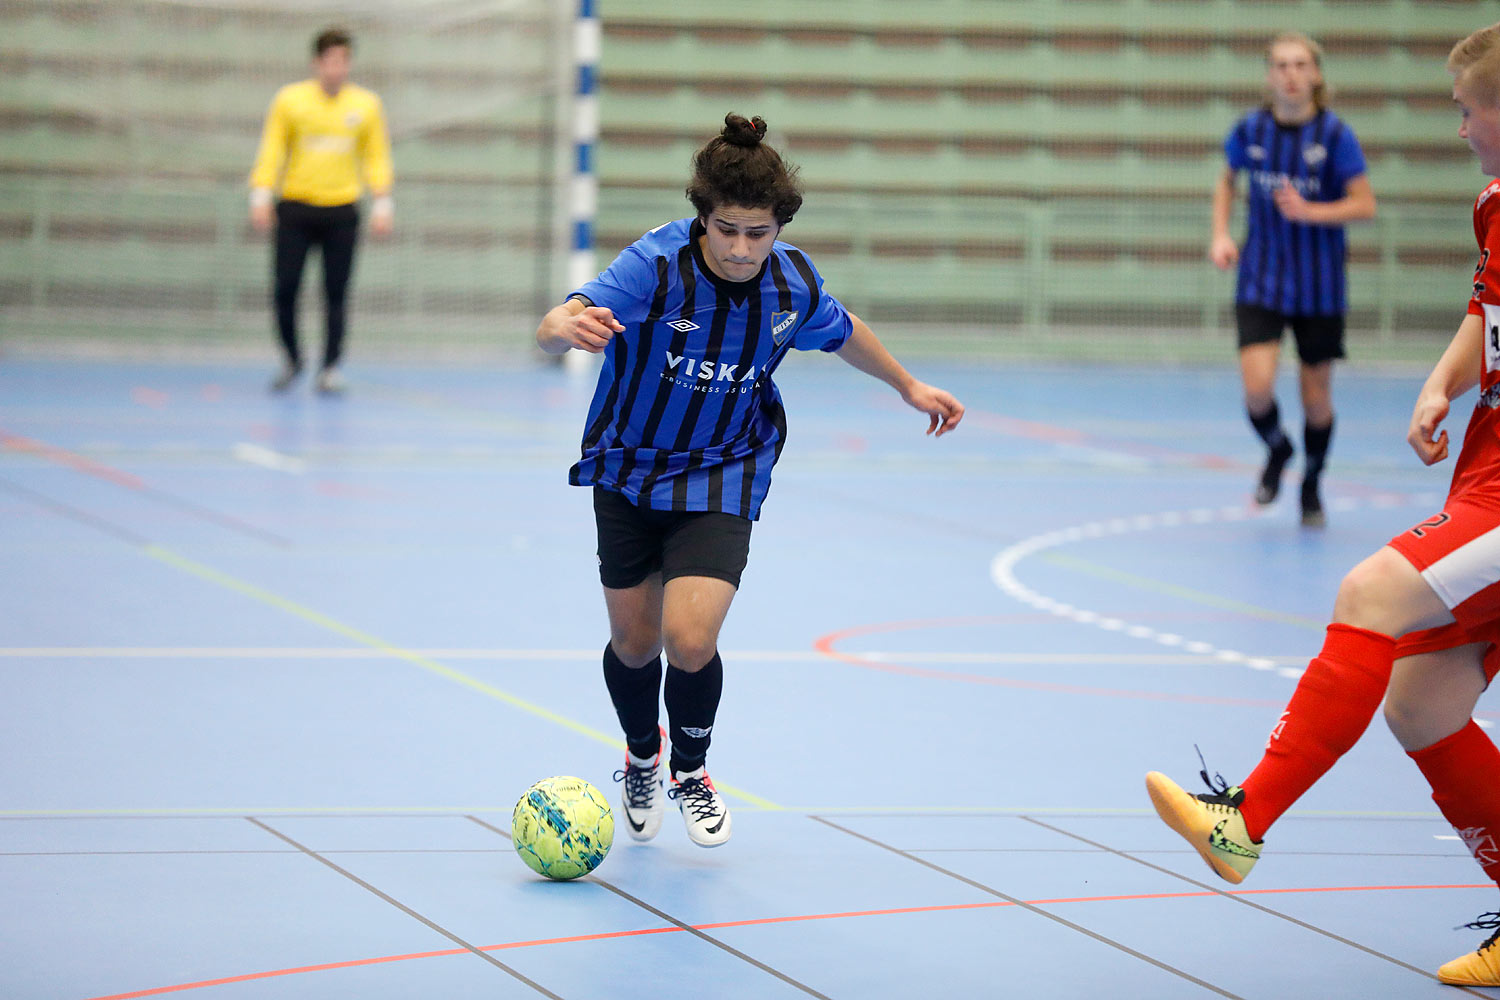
<point x="273" y="672"/>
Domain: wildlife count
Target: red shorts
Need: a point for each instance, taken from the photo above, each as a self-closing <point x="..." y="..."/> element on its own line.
<point x="1457" y="551"/>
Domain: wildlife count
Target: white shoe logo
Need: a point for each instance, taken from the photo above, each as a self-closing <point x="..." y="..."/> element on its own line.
<point x="695" y="732"/>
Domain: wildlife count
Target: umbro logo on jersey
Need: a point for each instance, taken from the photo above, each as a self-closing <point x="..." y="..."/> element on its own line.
<point x="684" y="325"/>
<point x="1315" y="154"/>
<point x="1255" y="152"/>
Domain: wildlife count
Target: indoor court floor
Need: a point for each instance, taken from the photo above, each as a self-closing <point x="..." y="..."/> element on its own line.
<point x="274" y="671"/>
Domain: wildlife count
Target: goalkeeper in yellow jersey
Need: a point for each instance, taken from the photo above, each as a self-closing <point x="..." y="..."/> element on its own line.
<point x="325" y="141"/>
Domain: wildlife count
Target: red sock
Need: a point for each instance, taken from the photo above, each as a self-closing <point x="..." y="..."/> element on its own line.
<point x="1333" y="704"/>
<point x="1464" y="772"/>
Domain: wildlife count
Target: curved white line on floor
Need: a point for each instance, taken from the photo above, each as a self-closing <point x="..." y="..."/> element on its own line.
<point x="1003" y="566"/>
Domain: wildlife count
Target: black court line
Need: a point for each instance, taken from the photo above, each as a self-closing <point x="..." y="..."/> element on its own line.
<point x="680" y="925"/>
<point x="1031" y="907"/>
<point x="74" y="514"/>
<point x="214" y="517"/>
<point x="1251" y="903"/>
<point x="406" y="910"/>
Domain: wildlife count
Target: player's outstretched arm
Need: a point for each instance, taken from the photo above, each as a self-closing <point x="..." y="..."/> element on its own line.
<point x="864" y="351"/>
<point x="1456" y="372"/>
<point x="576" y="324"/>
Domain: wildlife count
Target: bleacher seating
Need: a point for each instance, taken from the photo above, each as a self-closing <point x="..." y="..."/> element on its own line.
<point x="1097" y="125"/>
<point x="1021" y="163"/>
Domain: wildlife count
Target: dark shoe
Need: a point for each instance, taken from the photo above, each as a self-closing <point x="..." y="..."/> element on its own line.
<point x="1270" y="477"/>
<point x="1312" y="505"/>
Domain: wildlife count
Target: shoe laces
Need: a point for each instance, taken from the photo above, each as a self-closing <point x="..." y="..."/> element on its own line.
<point x="1220" y="795"/>
<point x="1485" y="922"/>
<point x="640" y="785"/>
<point x="697" y="795"/>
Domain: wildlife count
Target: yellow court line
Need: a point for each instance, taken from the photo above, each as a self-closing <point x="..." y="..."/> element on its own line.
<point x="431" y="666"/>
<point x="1197" y="596"/>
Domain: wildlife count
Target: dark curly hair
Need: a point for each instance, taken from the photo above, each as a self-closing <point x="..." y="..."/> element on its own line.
<point x="330" y="38"/>
<point x="736" y="168"/>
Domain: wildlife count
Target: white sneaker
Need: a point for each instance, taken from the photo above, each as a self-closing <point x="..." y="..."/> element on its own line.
<point x="330" y="381"/>
<point x="284" y="378"/>
<point x="702" y="808"/>
<point x="641" y="798"/>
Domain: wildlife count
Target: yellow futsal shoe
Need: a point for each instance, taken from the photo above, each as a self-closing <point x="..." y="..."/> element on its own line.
<point x="1477" y="968"/>
<point x="1211" y="823"/>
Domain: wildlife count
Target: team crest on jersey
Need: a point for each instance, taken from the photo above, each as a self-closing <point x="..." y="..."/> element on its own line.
<point x="684" y="325"/>
<point x="351" y="120"/>
<point x="781" y="323"/>
<point x="1255" y="152"/>
<point x="1315" y="154"/>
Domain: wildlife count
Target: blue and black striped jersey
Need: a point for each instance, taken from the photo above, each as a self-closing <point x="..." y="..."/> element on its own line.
<point x="1293" y="267"/>
<point x="686" y="416"/>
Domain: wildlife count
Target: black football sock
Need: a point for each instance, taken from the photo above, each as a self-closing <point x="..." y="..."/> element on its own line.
<point x="636" y="693"/>
<point x="1268" y="426"/>
<point x="692" y="702"/>
<point x="1315" y="442"/>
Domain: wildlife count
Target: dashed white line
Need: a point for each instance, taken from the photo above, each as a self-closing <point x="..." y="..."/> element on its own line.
<point x="1003" y="566"/>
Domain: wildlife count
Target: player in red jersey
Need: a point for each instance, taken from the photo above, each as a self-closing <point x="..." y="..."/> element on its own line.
<point x="1418" y="622"/>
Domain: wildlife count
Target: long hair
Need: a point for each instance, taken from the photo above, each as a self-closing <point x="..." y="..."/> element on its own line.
<point x="1320" y="92"/>
<point x="1475" y="62"/>
<point x="737" y="168"/>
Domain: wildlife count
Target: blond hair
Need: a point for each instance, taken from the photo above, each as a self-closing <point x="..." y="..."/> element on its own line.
<point x="1320" y="89"/>
<point x="1475" y="63"/>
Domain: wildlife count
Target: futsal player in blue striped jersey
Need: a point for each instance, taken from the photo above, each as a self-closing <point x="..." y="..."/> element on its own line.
<point x="1307" y="178"/>
<point x="693" y="320"/>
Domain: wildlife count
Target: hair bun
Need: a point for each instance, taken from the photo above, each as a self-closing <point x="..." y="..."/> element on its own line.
<point x="740" y="132"/>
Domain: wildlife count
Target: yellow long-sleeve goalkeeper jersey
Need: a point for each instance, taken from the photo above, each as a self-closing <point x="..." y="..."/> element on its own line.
<point x="315" y="148"/>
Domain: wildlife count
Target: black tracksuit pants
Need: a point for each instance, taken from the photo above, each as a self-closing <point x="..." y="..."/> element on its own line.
<point x="299" y="227"/>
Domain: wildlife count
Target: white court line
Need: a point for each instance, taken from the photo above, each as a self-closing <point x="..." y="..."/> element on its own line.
<point x="581" y="655"/>
<point x="1003" y="566"/>
<point x="266" y="458"/>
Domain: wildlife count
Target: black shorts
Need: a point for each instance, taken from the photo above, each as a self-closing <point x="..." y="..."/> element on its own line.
<point x="635" y="542"/>
<point x="1319" y="338"/>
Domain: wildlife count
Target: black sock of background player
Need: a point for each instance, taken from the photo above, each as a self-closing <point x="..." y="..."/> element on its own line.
<point x="1268" y="426"/>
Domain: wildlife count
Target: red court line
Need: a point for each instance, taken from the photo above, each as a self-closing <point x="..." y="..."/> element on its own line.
<point x="825" y="645"/>
<point x="646" y="931"/>
<point x="14" y="442"/>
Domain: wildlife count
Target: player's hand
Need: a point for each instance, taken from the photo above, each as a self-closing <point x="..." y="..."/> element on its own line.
<point x="382" y="221"/>
<point x="1224" y="253"/>
<point x="262" y="217"/>
<point x="592" y="329"/>
<point x="1290" y="203"/>
<point x="940" y="406"/>
<point x="1429" y="412"/>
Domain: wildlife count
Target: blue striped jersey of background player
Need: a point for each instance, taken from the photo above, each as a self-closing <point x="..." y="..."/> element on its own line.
<point x="686" y="416"/>
<point x="1293" y="268"/>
